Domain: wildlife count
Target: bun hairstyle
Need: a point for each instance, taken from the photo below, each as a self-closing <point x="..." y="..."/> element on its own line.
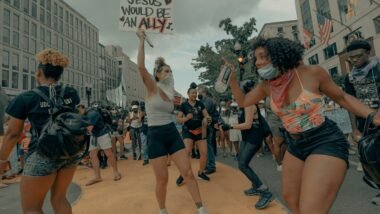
<point x="193" y="85"/>
<point x="159" y="64"/>
<point x="52" y="63"/>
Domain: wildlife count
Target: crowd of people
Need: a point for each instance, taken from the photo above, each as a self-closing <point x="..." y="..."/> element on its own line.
<point x="283" y="113"/>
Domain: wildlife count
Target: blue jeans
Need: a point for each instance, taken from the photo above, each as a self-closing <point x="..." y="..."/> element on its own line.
<point x="210" y="149"/>
<point x="144" y="145"/>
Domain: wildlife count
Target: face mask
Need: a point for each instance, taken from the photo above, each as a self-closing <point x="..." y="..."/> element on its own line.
<point x="200" y="96"/>
<point x="268" y="72"/>
<point x="167" y="85"/>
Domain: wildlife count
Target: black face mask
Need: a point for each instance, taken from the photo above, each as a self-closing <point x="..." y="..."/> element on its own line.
<point x="200" y="96"/>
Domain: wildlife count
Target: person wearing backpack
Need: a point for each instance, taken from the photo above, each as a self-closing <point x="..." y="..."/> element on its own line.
<point x="252" y="135"/>
<point x="100" y="139"/>
<point x="41" y="174"/>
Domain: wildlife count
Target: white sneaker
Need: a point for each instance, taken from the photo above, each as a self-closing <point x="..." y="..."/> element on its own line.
<point x="359" y="168"/>
<point x="164" y="211"/>
<point x="202" y="210"/>
<point x="279" y="168"/>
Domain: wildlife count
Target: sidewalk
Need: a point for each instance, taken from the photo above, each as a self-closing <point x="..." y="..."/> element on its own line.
<point x="135" y="192"/>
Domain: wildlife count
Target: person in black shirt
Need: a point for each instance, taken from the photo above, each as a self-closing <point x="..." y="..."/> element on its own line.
<point x="192" y="114"/>
<point x="41" y="174"/>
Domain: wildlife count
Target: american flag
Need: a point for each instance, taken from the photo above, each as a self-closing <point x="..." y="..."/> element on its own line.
<point x="307" y="36"/>
<point x="325" y="26"/>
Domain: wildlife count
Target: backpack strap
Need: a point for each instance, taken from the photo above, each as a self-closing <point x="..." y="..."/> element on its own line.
<point x="44" y="96"/>
<point x="62" y="91"/>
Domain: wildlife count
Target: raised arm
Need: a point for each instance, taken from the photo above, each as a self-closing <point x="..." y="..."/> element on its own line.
<point x="146" y="77"/>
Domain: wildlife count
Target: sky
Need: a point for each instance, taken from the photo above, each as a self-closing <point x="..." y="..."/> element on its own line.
<point x="196" y="24"/>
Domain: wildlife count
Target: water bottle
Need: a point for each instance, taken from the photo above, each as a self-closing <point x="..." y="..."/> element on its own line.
<point x="223" y="79"/>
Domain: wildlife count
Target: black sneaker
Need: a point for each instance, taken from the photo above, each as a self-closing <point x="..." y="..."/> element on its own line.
<point x="146" y="162"/>
<point x="139" y="157"/>
<point x="203" y="176"/>
<point x="265" y="199"/>
<point x="134" y="156"/>
<point x="209" y="171"/>
<point x="179" y="181"/>
<point x="123" y="157"/>
<point x="253" y="191"/>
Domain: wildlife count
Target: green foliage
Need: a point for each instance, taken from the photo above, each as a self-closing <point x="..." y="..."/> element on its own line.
<point x="210" y="58"/>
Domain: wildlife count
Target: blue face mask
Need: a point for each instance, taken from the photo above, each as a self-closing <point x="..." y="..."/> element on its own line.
<point x="268" y="72"/>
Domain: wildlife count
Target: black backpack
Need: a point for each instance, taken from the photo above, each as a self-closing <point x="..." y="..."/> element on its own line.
<point x="64" y="135"/>
<point x="369" y="151"/>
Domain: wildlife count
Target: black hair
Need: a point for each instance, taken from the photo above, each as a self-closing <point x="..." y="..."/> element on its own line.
<point x="285" y="54"/>
<point x="359" y="44"/>
<point x="193" y="85"/>
<point x="51" y="71"/>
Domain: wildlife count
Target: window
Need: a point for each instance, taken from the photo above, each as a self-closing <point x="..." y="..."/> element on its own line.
<point x="48" y="5"/>
<point x="42" y="15"/>
<point x="16" y="3"/>
<point x="5" y="59"/>
<point x="48" y="19"/>
<point x="280" y="29"/>
<point x="14" y="80"/>
<point x="15" y="62"/>
<point x="34" y="30"/>
<point x="376" y="21"/>
<point x="313" y="60"/>
<point x="7" y="18"/>
<point x="330" y="51"/>
<point x="42" y="3"/>
<point x="333" y="71"/>
<point x="61" y="12"/>
<point x="16" y="39"/>
<point x="26" y="43"/>
<point x="5" y="78"/>
<point x="25" y="67"/>
<point x="26" y="26"/>
<point x="55" y="23"/>
<point x="42" y="34"/>
<point x="48" y="37"/>
<point x="6" y="36"/>
<point x="32" y="82"/>
<point x="294" y="28"/>
<point x="25" y="82"/>
<point x="355" y="35"/>
<point x="26" y="6"/>
<point x="55" y="9"/>
<point x="33" y="46"/>
<point x="16" y="22"/>
<point x="34" y="10"/>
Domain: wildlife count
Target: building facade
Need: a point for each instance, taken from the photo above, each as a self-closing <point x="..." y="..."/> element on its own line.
<point x="128" y="85"/>
<point x="286" y="29"/>
<point x="351" y="19"/>
<point x="29" y="26"/>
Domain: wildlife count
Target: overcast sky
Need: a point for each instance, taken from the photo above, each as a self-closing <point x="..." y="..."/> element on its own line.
<point x="196" y="23"/>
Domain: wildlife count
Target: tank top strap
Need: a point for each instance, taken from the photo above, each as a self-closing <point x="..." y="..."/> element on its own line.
<point x="299" y="79"/>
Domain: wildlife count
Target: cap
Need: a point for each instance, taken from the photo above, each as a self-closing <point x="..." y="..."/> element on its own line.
<point x="135" y="107"/>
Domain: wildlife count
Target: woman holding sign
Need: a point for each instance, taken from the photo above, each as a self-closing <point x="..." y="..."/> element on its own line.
<point x="163" y="137"/>
<point x="317" y="158"/>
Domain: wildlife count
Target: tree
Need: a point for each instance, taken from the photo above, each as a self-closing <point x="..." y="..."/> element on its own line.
<point x="209" y="58"/>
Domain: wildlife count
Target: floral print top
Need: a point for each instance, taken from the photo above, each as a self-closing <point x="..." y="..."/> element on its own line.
<point x="305" y="113"/>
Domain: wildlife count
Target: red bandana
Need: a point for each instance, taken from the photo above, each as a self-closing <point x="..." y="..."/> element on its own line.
<point x="279" y="87"/>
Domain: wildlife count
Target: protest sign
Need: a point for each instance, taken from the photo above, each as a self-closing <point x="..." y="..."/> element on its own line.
<point x="150" y="15"/>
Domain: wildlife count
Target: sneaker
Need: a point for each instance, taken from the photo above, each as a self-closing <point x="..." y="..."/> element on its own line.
<point x="164" y="211"/>
<point x="279" y="168"/>
<point x="264" y="200"/>
<point x="179" y="181"/>
<point x="123" y="157"/>
<point x="376" y="200"/>
<point x="146" y="162"/>
<point x="359" y="168"/>
<point x="209" y="171"/>
<point x="253" y="191"/>
<point x="203" y="176"/>
<point x="202" y="210"/>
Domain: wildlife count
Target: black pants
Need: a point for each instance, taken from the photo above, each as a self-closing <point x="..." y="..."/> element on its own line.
<point x="246" y="153"/>
<point x="136" y="140"/>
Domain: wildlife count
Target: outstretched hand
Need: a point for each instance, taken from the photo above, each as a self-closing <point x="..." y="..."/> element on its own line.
<point x="141" y="34"/>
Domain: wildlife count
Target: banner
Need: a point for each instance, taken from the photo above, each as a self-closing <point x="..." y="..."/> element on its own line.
<point x="152" y="15"/>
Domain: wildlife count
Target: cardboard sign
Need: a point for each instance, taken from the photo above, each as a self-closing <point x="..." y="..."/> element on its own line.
<point x="152" y="15"/>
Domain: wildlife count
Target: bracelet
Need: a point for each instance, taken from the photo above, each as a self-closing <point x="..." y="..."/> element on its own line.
<point x="3" y="161"/>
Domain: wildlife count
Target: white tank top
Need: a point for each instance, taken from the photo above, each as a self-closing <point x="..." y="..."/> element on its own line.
<point x="159" y="111"/>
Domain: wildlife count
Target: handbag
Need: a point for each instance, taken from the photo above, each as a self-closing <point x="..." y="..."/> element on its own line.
<point x="369" y="151"/>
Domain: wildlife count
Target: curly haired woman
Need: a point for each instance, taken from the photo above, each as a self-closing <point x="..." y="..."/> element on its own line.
<point x="316" y="162"/>
<point x="41" y="174"/>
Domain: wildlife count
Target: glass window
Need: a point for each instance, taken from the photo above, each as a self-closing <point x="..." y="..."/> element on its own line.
<point x="48" y="37"/>
<point x="26" y="26"/>
<point x="6" y="36"/>
<point x="313" y="60"/>
<point x="42" y="34"/>
<point x="34" y="30"/>
<point x="25" y="66"/>
<point x="55" y="8"/>
<point x="14" y="80"/>
<point x="33" y="46"/>
<point x="48" y="5"/>
<point x="5" y="59"/>
<point x="16" y="39"/>
<point x="48" y="19"/>
<point x="26" y="43"/>
<point x="42" y="15"/>
<point x="60" y="26"/>
<point x="7" y="18"/>
<point x="15" y="62"/>
<point x="55" y="23"/>
<point x="333" y="71"/>
<point x="25" y="82"/>
<point x="32" y="66"/>
<point x="61" y="12"/>
<point x="42" y="3"/>
<point x="71" y="19"/>
<point x="376" y="21"/>
<point x="16" y="3"/>
<point x="26" y="6"/>
<point x="5" y="78"/>
<point x="330" y="51"/>
<point x="16" y="22"/>
<point x="32" y="82"/>
<point x="34" y="10"/>
<point x="67" y="16"/>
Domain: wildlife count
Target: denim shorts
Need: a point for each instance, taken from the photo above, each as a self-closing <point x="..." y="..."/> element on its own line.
<point x="38" y="165"/>
<point x="163" y="140"/>
<point x="327" y="139"/>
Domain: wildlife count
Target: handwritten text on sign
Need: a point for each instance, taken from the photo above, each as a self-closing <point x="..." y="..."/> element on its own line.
<point x="151" y="15"/>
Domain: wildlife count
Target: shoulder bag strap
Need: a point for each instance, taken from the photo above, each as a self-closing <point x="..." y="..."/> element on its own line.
<point x="368" y="122"/>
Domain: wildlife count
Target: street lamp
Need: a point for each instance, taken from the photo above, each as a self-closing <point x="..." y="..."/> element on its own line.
<point x="241" y="59"/>
<point x="88" y="94"/>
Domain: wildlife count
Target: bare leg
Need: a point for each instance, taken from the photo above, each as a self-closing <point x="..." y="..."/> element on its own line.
<point x="95" y="167"/>
<point x="202" y="146"/>
<point x="112" y="163"/>
<point x="58" y="192"/>
<point x="161" y="172"/>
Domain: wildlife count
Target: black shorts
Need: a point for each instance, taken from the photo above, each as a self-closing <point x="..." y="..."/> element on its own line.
<point x="326" y="139"/>
<point x="186" y="134"/>
<point x="163" y="140"/>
